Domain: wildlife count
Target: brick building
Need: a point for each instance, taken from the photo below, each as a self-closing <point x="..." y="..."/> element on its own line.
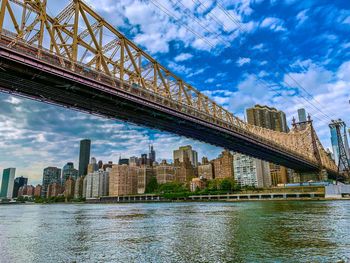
<point x="223" y="165"/>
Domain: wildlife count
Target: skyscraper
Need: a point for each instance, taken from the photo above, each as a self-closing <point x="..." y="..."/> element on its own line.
<point x="186" y="151"/>
<point x="84" y="156"/>
<point x="50" y="175"/>
<point x="144" y="159"/>
<point x="273" y="119"/>
<point x="152" y="155"/>
<point x="69" y="171"/>
<point x="19" y="182"/>
<point x="302" y="115"/>
<point x="267" y="117"/>
<point x="8" y="177"/>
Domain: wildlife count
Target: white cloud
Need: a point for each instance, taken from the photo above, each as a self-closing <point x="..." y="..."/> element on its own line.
<point x="258" y="46"/>
<point x="220" y="96"/>
<point x="302" y="17"/>
<point x="183" y="57"/>
<point x="179" y="68"/>
<point x="273" y="23"/>
<point x="241" y="61"/>
<point x="210" y="80"/>
<point x="156" y="26"/>
<point x="221" y="75"/>
<point x="197" y="72"/>
<point x="344" y="72"/>
<point x="346" y="20"/>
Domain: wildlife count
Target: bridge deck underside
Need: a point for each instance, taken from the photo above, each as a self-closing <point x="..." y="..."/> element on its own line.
<point x="63" y="89"/>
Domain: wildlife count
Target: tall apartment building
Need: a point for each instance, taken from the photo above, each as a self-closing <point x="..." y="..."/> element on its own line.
<point x="186" y="151"/>
<point x="69" y="171"/>
<point x="206" y="171"/>
<point x="84" y="156"/>
<point x="97" y="184"/>
<point x="223" y="165"/>
<point x="69" y="186"/>
<point x="184" y="171"/>
<point x="165" y="172"/>
<point x="79" y="186"/>
<point x="30" y="190"/>
<point x="53" y="190"/>
<point x="26" y="190"/>
<point x="144" y="175"/>
<point x="7" y="182"/>
<point x="273" y="119"/>
<point x="251" y="171"/>
<point x="92" y="166"/>
<point x="38" y="190"/>
<point x="134" y="161"/>
<point x="122" y="180"/>
<point x="50" y="175"/>
<point x="267" y="117"/>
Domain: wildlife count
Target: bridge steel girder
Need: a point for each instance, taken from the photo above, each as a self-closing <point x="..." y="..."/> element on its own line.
<point x="44" y="82"/>
<point x="122" y="69"/>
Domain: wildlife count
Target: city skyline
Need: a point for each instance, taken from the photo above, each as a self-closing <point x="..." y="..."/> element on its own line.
<point x="320" y="65"/>
<point x="138" y="148"/>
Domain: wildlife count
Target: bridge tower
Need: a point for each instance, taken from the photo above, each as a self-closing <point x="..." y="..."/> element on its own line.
<point x="308" y="124"/>
<point x="343" y="159"/>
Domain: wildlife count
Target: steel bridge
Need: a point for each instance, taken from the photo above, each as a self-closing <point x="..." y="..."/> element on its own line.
<point x="78" y="60"/>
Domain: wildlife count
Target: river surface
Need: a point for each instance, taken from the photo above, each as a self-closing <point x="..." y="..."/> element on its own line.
<point x="281" y="231"/>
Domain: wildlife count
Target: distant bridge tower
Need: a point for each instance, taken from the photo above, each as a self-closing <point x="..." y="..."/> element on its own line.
<point x="304" y="125"/>
<point x="339" y="143"/>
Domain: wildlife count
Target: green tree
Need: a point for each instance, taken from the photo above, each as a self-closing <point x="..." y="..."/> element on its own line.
<point x="152" y="186"/>
<point x="225" y="185"/>
<point x="172" y="187"/>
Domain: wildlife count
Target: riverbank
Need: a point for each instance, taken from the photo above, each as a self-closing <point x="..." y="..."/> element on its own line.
<point x="161" y="200"/>
<point x="210" y="198"/>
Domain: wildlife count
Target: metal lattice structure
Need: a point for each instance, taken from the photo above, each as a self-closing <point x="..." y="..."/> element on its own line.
<point x="80" y="40"/>
<point x="343" y="162"/>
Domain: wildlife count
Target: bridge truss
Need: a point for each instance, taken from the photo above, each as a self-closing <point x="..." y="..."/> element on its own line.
<point x="81" y="41"/>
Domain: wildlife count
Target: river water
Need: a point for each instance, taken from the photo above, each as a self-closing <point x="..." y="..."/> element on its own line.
<point x="285" y="231"/>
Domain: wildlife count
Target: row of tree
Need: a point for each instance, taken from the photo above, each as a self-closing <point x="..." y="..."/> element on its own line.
<point x="177" y="190"/>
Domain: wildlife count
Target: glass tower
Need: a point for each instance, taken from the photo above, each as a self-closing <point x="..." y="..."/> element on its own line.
<point x="69" y="171"/>
<point x="50" y="175"/>
<point x="8" y="177"/>
<point x="84" y="156"/>
<point x="19" y="182"/>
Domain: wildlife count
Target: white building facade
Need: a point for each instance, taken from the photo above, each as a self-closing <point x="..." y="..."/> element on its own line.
<point x="249" y="171"/>
<point x="97" y="184"/>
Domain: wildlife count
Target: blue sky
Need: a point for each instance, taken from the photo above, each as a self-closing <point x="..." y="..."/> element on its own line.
<point x="287" y="54"/>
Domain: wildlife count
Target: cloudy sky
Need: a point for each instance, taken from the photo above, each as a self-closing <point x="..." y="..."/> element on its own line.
<point x="287" y="54"/>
